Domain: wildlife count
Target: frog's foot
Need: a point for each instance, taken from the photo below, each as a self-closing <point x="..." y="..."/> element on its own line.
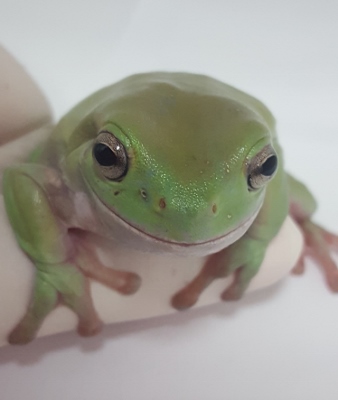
<point x="43" y="301"/>
<point x="318" y="243"/>
<point x="57" y="283"/>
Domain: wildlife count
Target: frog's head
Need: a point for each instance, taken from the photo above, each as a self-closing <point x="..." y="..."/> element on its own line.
<point x="179" y="159"/>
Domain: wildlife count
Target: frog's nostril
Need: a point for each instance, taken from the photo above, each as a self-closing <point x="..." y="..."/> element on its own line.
<point x="162" y="203"/>
<point x="144" y="194"/>
<point x="214" y="208"/>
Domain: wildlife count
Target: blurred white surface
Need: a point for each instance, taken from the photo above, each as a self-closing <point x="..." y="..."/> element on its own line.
<point x="281" y="343"/>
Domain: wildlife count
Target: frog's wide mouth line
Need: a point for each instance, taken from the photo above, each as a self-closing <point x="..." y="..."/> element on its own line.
<point x="215" y="240"/>
<point x="240" y="229"/>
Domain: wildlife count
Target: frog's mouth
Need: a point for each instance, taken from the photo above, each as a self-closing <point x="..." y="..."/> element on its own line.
<point x="242" y="227"/>
<point x="132" y="234"/>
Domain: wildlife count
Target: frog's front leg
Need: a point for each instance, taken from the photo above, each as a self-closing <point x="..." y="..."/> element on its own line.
<point x="242" y="259"/>
<point x="37" y="204"/>
<point x="245" y="256"/>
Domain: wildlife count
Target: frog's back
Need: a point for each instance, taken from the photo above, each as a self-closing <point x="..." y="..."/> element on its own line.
<point x="83" y="122"/>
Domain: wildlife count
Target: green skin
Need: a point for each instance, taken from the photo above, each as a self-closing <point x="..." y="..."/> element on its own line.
<point x="192" y="144"/>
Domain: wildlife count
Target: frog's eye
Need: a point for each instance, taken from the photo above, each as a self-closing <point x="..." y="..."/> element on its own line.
<point x="110" y="156"/>
<point x="262" y="168"/>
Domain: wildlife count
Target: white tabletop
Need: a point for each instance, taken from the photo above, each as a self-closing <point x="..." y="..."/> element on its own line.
<point x="280" y="343"/>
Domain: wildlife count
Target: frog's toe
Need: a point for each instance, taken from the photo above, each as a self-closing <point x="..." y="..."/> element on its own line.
<point x="18" y="336"/>
<point x="332" y="281"/>
<point x="330" y="238"/>
<point x="241" y="279"/>
<point x="299" y="268"/>
<point x="318" y="244"/>
<point x="232" y="293"/>
<point x="184" y="299"/>
<point x="89" y="329"/>
<point x="131" y="284"/>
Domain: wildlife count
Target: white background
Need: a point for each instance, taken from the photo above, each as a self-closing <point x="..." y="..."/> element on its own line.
<point x="281" y="343"/>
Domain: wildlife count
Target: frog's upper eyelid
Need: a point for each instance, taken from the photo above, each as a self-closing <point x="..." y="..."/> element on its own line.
<point x="115" y="129"/>
<point x="258" y="147"/>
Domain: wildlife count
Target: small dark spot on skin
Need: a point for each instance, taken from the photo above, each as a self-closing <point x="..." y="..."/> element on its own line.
<point x="116" y="193"/>
<point x="214" y="208"/>
<point x="162" y="203"/>
<point x="143" y="194"/>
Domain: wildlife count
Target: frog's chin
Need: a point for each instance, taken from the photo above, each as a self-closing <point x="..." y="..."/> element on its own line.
<point x="136" y="238"/>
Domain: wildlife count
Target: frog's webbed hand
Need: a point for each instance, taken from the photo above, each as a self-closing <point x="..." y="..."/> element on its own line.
<point x="242" y="259"/>
<point x="318" y="241"/>
<point x="37" y="205"/>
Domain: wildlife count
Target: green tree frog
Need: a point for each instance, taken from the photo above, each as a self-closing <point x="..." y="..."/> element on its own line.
<point x="161" y="162"/>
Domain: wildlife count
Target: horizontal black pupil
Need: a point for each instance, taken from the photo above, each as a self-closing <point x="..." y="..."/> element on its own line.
<point x="269" y="166"/>
<point x="104" y="155"/>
